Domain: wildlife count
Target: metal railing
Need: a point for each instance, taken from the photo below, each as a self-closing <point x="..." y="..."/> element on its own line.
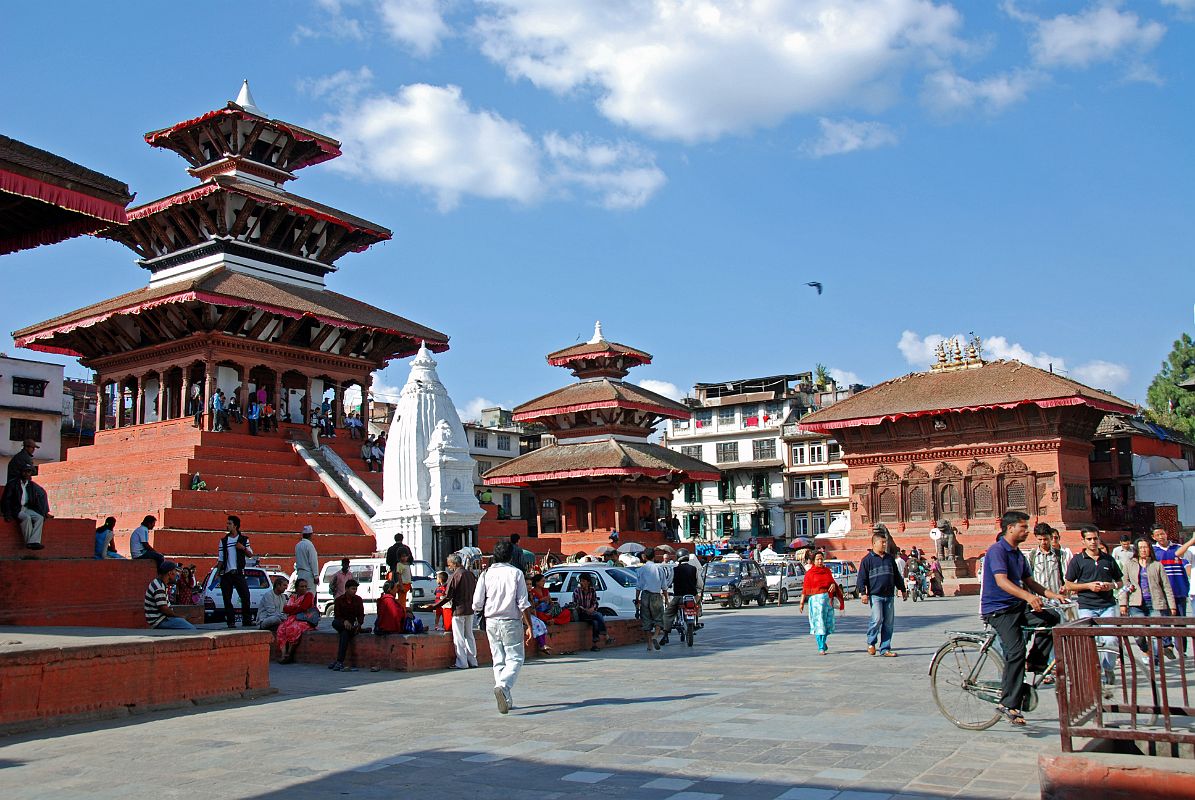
<point x="1145" y="696"/>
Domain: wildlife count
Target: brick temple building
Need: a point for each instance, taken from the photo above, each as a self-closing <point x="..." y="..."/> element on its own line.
<point x="236" y="301"/>
<point x="966" y="441"/>
<point x="601" y="474"/>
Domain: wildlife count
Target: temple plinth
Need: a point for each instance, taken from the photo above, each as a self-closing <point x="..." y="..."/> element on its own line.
<point x="602" y="474"/>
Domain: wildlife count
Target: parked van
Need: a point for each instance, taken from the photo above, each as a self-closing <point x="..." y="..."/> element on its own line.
<point x="370" y="574"/>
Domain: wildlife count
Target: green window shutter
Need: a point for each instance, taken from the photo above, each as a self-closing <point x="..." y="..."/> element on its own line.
<point x="734" y="522"/>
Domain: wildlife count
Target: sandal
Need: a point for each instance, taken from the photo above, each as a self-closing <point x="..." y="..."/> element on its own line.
<point x="595" y="649"/>
<point x="1013" y="715"/>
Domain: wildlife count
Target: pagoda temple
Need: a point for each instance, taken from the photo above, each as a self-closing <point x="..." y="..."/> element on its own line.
<point x="966" y="441"/>
<point x="237" y="298"/>
<point x="602" y="474"/>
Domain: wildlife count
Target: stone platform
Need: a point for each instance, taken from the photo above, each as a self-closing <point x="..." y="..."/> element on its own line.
<point x="434" y="651"/>
<point x="51" y="676"/>
<point x="1112" y="776"/>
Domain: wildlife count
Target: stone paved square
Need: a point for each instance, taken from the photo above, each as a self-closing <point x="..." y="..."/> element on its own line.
<point x="749" y="712"/>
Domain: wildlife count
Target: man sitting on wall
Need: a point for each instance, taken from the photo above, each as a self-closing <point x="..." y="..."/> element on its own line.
<point x="24" y="501"/>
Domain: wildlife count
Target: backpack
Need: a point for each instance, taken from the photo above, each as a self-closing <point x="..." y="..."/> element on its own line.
<point x="413" y="624"/>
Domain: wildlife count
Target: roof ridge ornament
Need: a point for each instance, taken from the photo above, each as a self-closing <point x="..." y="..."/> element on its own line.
<point x="245" y="101"/>
<point x="597" y="333"/>
<point x="949" y="354"/>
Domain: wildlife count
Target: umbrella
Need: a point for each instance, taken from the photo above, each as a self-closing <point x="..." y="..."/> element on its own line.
<point x="604" y="549"/>
<point x="667" y="548"/>
<point x="631" y="547"/>
<point x="800" y="541"/>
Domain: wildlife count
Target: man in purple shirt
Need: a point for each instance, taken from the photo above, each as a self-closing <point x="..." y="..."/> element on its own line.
<point x="1012" y="601"/>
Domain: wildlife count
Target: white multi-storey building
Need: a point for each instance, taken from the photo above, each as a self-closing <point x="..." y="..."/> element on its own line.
<point x="816" y="491"/>
<point x="493" y="440"/>
<point x="31" y="403"/>
<point x="737" y="426"/>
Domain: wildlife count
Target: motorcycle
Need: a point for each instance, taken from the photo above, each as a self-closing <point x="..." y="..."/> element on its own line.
<point x="686" y="620"/>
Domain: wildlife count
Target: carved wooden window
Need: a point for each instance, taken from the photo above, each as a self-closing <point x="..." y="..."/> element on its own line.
<point x="917" y="504"/>
<point x="1014" y="498"/>
<point x="981" y="500"/>
<point x="1076" y="496"/>
<point x="950" y="504"/>
<point x="887" y="505"/>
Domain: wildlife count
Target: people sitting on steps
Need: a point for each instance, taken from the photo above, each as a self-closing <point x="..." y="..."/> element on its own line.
<point x="158" y="612"/>
<point x="26" y="502"/>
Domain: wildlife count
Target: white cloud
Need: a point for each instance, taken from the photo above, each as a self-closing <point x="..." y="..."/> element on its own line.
<point x="945" y="91"/>
<point x="338" y="87"/>
<point x="419" y="24"/>
<point x="1101" y="32"/>
<point x="844" y="377"/>
<point x="669" y="390"/>
<point x="919" y="352"/>
<point x="693" y="70"/>
<point x="429" y="137"/>
<point x="846" y="136"/>
<point x="1181" y="5"/>
<point x="471" y="411"/>
<point x="333" y="23"/>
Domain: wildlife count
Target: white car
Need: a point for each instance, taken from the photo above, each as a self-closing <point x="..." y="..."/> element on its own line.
<point x="785" y="579"/>
<point x="615" y="586"/>
<point x="847" y="576"/>
<point x="370" y="574"/>
<point x="260" y="580"/>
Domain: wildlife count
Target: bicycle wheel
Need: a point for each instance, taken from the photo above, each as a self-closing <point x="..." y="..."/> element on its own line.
<point x="966" y="694"/>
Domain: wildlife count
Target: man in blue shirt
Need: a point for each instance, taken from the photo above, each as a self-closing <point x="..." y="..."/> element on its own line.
<point x="878" y="580"/>
<point x="1012" y="601"/>
<point x="1171" y="557"/>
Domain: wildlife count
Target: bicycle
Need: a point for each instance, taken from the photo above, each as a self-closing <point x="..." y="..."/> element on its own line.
<point x="966" y="675"/>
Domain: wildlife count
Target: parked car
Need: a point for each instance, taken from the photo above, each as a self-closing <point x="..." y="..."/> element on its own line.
<point x="259" y="578"/>
<point x="847" y="575"/>
<point x="615" y="586"/>
<point x="785" y="579"/>
<point x="732" y="582"/>
<point x="371" y="574"/>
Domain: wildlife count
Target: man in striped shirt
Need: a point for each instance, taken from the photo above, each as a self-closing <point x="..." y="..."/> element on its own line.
<point x="158" y="613"/>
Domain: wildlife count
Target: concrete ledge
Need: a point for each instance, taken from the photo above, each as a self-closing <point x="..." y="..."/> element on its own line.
<point x="431" y="651"/>
<point x="1111" y="776"/>
<point x="47" y="677"/>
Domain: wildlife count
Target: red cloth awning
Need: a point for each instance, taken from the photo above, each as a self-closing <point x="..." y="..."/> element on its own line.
<point x="96" y="213"/>
<point x="824" y="427"/>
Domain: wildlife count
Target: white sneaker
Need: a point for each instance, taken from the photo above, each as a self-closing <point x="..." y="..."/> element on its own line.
<point x="503" y="701"/>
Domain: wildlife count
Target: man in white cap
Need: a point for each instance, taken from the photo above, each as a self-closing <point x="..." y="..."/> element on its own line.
<point x="306" y="559"/>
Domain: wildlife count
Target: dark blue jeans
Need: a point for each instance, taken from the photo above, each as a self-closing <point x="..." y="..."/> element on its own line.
<point x="597" y="621"/>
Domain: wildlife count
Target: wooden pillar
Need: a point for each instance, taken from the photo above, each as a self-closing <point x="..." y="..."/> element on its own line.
<point x="311" y="405"/>
<point x="366" y="388"/>
<point x="209" y="384"/>
<point x="589" y="513"/>
<point x="539" y="516"/>
<point x="139" y="401"/>
<point x="244" y="398"/>
<point x="99" y="403"/>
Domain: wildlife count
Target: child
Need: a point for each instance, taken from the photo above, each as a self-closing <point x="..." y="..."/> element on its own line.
<point x="541" y="611"/>
<point x="443" y="615"/>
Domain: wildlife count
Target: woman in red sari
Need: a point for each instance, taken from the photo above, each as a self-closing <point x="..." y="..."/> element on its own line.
<point x="301" y="616"/>
<point x="390" y="614"/>
<point x="820" y="590"/>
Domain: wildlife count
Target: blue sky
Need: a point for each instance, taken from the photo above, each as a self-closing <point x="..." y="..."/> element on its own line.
<point x="676" y="169"/>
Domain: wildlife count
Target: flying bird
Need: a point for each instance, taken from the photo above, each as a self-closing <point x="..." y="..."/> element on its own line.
<point x="815" y="285"/>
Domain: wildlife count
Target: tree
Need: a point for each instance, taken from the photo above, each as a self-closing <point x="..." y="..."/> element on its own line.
<point x="1169" y="403"/>
<point x="821" y="375"/>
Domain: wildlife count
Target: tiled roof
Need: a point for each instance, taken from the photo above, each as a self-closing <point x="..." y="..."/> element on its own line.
<point x="1114" y="425"/>
<point x="601" y="393"/>
<point x="63" y="172"/>
<point x="222" y="286"/>
<point x="997" y="384"/>
<point x="603" y="458"/>
<point x="599" y="348"/>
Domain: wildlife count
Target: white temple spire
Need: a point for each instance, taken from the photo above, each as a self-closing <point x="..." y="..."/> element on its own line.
<point x="597" y="333"/>
<point x="245" y="100"/>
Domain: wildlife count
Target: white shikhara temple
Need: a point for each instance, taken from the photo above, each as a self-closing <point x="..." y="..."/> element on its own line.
<point x="428" y="473"/>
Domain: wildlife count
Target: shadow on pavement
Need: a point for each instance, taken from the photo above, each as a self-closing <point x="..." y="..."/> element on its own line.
<point x="548" y="708"/>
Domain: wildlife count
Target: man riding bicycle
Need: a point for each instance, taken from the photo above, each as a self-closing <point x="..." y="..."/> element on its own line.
<point x="1011" y="602"/>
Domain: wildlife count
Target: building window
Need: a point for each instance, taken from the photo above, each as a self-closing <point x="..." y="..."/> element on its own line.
<point x="819" y="523"/>
<point x="801" y="525"/>
<point x="772" y="413"/>
<point x="817" y="486"/>
<point x="917" y="504"/>
<point x="761" y="523"/>
<point x="506" y="503"/>
<point x="725" y="488"/>
<point x="888" y="505"/>
<point x="833" y="451"/>
<point x="726" y="416"/>
<point x="481" y="439"/>
<point x="834" y="486"/>
<point x="691" y="450"/>
<point x="949" y="500"/>
<point x="503" y="441"/>
<point x="21" y="429"/>
<point x="680" y="424"/>
<point x="29" y="387"/>
<point x="800" y="489"/>
<point x="1015" y="499"/>
<point x="693" y="522"/>
<point x="817" y="453"/>
<point x="692" y="492"/>
<point x="760" y="486"/>
<point x="798" y="451"/>
<point x="728" y="451"/>
<point x="704" y="418"/>
<point x="982" y="500"/>
<point x="763" y="448"/>
<point x="1076" y="496"/>
<point x="484" y="466"/>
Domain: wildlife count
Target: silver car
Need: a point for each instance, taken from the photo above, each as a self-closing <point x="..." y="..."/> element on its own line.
<point x="785" y="579"/>
<point x="847" y="576"/>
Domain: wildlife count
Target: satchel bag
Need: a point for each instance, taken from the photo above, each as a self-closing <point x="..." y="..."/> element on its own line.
<point x="310" y="616"/>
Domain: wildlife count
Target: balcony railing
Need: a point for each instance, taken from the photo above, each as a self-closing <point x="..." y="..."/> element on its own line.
<point x="1149" y="697"/>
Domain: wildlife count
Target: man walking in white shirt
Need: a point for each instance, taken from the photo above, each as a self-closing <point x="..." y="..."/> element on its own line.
<point x="306" y="559"/>
<point x="651" y="586"/>
<point x="501" y="595"/>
